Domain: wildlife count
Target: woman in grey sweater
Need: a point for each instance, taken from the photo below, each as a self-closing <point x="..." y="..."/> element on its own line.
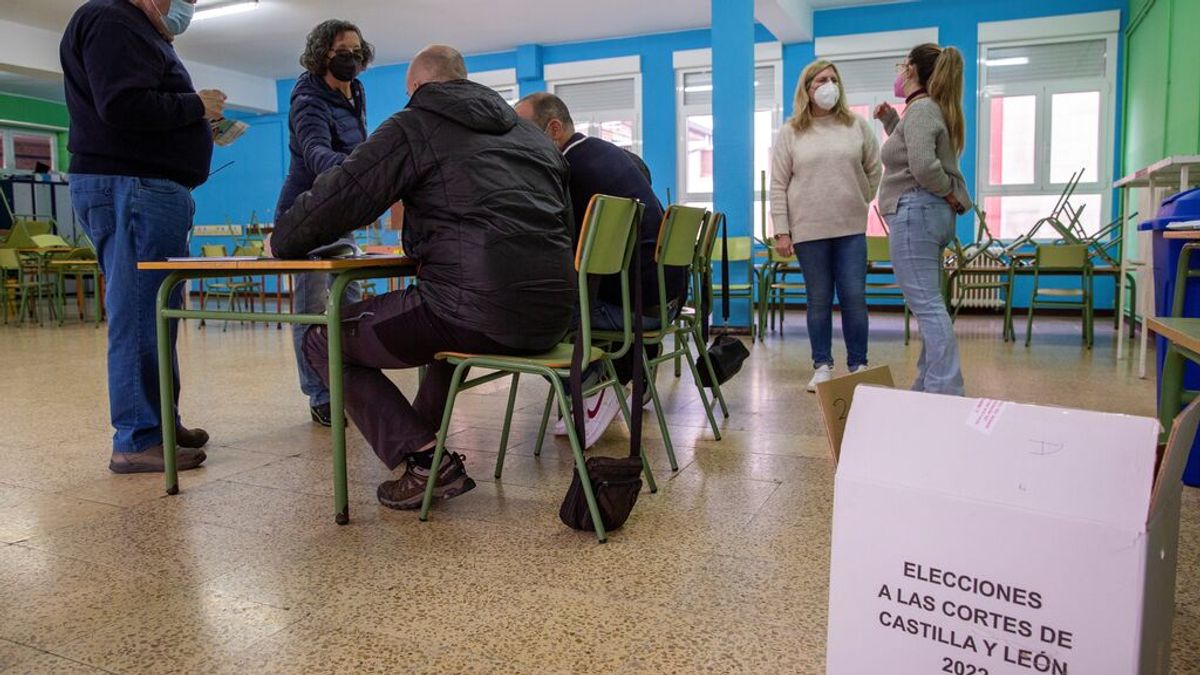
<point x="824" y="173"/>
<point x="922" y="190"/>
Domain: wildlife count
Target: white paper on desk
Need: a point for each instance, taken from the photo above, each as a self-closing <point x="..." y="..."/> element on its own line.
<point x="216" y="258"/>
<point x="1185" y="225"/>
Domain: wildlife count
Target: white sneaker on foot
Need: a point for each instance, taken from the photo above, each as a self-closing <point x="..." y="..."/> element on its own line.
<point x="822" y="374"/>
<point x="599" y="410"/>
<point x="855" y="369"/>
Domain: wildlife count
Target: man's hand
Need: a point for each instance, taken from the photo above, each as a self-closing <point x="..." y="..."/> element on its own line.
<point x="214" y="103"/>
<point x="783" y="246"/>
<point x="267" y="247"/>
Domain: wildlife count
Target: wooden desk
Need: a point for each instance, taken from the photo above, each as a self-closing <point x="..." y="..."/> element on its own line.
<point x="1183" y="344"/>
<point x="1193" y="235"/>
<point x="343" y="271"/>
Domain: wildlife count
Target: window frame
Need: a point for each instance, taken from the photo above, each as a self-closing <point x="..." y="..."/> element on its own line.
<point x="611" y="114"/>
<point x="9" y="147"/>
<point x="1044" y="93"/>
<point x="683" y="111"/>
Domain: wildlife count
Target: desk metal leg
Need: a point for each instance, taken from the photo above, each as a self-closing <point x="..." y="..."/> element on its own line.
<point x="337" y="410"/>
<point x="1120" y="301"/>
<point x="166" y="384"/>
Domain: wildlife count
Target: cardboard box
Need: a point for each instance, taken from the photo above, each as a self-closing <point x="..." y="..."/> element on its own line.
<point x="979" y="537"/>
<point x="837" y="395"/>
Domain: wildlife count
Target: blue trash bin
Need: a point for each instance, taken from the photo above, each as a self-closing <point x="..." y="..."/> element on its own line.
<point x="1181" y="207"/>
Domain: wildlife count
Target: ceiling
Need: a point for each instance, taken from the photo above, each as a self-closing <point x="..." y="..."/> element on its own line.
<point x="268" y="40"/>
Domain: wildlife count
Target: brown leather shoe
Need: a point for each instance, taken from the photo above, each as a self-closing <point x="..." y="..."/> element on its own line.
<point x="190" y="438"/>
<point x="409" y="491"/>
<point x="150" y="460"/>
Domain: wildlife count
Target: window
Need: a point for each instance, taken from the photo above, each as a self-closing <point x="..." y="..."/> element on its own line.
<point x="696" y="133"/>
<point x="607" y="108"/>
<point x="25" y="150"/>
<point x="868" y="82"/>
<point x="1045" y="121"/>
<point x="509" y="94"/>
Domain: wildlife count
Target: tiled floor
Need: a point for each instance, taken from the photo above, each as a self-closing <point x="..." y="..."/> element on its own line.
<point x="724" y="570"/>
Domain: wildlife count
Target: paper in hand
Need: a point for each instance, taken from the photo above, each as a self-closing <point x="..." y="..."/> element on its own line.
<point x="226" y="131"/>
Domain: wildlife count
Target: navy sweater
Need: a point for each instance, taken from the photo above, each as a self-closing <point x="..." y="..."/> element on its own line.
<point x="134" y="111"/>
<point x="600" y="167"/>
<point x="324" y="127"/>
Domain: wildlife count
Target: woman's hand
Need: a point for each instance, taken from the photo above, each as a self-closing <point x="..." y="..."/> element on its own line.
<point x="783" y="246"/>
<point x="884" y="111"/>
<point x="954" y="203"/>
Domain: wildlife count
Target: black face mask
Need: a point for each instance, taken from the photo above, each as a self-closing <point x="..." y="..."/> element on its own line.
<point x="344" y="67"/>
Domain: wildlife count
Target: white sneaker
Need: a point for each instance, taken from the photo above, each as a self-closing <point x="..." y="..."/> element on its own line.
<point x="822" y="374"/>
<point x="855" y="369"/>
<point x="599" y="410"/>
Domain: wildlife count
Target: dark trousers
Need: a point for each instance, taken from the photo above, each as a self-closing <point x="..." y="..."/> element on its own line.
<point x="391" y="331"/>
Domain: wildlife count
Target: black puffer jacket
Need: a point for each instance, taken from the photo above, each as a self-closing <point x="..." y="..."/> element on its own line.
<point x="486" y="211"/>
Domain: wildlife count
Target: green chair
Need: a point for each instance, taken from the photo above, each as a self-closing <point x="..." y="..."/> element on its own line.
<point x="19" y="286"/>
<point x="777" y="285"/>
<point x="231" y="288"/>
<point x="1062" y="260"/>
<point x="690" y="319"/>
<point x="741" y="254"/>
<point x="677" y="247"/>
<point x="605" y="247"/>
<point x="879" y="262"/>
<point x="86" y="267"/>
<point x="24" y="230"/>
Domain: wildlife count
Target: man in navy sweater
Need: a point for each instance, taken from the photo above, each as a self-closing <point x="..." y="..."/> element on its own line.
<point x="139" y="141"/>
<point x="601" y="167"/>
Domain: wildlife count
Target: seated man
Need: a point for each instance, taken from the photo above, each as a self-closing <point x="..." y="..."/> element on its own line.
<point x="487" y="217"/>
<point x="600" y="167"/>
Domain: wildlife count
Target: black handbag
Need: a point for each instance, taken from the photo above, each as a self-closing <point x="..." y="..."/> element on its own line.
<point x="727" y="353"/>
<point x="616" y="481"/>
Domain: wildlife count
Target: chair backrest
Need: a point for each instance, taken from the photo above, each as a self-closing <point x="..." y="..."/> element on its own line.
<point x="23" y="231"/>
<point x="741" y="249"/>
<point x="878" y="250"/>
<point x="605" y="246"/>
<point x="254" y="248"/>
<point x="1070" y="256"/>
<point x="213" y="250"/>
<point x="49" y="241"/>
<point x="81" y="254"/>
<point x="9" y="260"/>
<point x="678" y="244"/>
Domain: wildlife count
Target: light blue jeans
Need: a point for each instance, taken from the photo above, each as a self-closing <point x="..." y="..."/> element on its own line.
<point x="310" y="296"/>
<point x="921" y="227"/>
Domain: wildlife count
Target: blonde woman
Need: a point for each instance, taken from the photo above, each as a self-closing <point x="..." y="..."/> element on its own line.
<point x="922" y="190"/>
<point x="824" y="173"/>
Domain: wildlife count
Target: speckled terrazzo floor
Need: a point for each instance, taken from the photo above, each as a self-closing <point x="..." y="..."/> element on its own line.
<point x="725" y="570"/>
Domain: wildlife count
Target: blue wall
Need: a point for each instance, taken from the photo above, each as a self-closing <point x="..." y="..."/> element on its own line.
<point x="252" y="182"/>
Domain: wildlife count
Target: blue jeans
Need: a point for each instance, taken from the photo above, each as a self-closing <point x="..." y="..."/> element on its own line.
<point x="837" y="264"/>
<point x="132" y="220"/>
<point x="921" y="227"/>
<point x="310" y="296"/>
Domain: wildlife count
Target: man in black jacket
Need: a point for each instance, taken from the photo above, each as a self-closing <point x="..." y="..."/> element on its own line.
<point x="488" y="218"/>
<point x="139" y="141"/>
<point x="601" y="167"/>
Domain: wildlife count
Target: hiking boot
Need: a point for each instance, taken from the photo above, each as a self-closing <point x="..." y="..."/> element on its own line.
<point x="150" y="460"/>
<point x="408" y="491"/>
<point x="321" y="415"/>
<point x="190" y="438"/>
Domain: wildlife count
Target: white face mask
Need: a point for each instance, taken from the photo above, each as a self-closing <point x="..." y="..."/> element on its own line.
<point x="826" y="96"/>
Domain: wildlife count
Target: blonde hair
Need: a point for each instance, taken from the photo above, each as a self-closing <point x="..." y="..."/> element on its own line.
<point x="802" y="115"/>
<point x="940" y="72"/>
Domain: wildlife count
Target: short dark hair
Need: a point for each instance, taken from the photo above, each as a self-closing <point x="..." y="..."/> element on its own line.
<point x="547" y="107"/>
<point x="320" y="40"/>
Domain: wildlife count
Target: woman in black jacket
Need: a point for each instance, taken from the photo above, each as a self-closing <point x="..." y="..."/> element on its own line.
<point x="327" y="120"/>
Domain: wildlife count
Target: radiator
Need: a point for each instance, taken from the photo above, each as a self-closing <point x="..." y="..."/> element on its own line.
<point x="988" y="298"/>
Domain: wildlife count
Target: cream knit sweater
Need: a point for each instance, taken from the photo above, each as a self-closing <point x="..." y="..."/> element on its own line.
<point x="823" y="178"/>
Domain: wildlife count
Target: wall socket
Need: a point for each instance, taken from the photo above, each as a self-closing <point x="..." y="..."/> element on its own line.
<point x="217" y="230"/>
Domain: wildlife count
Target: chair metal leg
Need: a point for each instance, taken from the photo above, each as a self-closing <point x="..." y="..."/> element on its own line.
<point x="712" y="373"/>
<point x="537" y="448"/>
<point x="440" y="447"/>
<point x="708" y="405"/>
<point x="580" y="463"/>
<point x="512" y="400"/>
<point x="658" y="410"/>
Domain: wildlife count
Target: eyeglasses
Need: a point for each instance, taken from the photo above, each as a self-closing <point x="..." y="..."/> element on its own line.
<point x="358" y="54"/>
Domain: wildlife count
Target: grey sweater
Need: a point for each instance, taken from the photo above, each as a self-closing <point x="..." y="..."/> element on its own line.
<point x="919" y="154"/>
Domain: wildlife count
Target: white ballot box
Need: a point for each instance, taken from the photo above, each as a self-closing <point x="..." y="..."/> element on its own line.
<point x="979" y="537"/>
